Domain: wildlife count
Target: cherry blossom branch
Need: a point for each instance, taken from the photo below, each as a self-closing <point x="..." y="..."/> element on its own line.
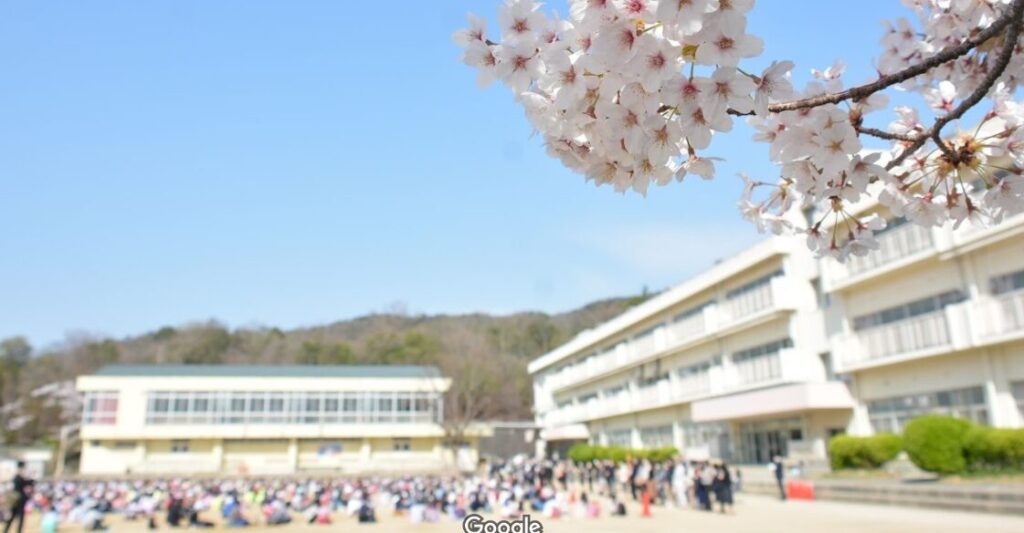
<point x="945" y="56"/>
<point x="887" y="135"/>
<point x="1014" y="19"/>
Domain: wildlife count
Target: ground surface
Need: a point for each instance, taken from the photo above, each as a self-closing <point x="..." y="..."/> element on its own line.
<point x="753" y="513"/>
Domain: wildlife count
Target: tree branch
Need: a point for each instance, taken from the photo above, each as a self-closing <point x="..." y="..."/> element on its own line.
<point x="1014" y="16"/>
<point x="863" y="91"/>
<point x="945" y="56"/>
<point x="889" y="136"/>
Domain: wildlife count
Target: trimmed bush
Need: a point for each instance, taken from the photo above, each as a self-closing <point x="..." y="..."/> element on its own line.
<point x="988" y="448"/>
<point x="937" y="443"/>
<point x="583" y="452"/>
<point x="847" y="451"/>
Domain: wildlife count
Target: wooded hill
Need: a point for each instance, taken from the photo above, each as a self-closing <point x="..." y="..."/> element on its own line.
<point x="487" y="354"/>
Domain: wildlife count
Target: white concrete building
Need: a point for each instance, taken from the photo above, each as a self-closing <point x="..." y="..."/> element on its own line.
<point x="773" y="351"/>
<point x="242" y="420"/>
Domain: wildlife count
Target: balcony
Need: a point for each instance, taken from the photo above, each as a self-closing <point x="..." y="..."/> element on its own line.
<point x="758" y="369"/>
<point x="894" y="246"/>
<point x="788" y="365"/>
<point x="920" y="336"/>
<point x="1000" y="316"/>
<point x="777" y="295"/>
<point x="688" y="328"/>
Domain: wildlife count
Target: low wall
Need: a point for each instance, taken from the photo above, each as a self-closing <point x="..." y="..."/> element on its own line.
<point x="977" y="497"/>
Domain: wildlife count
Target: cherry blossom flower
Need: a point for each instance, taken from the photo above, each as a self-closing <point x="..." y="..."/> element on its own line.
<point x="630" y="93"/>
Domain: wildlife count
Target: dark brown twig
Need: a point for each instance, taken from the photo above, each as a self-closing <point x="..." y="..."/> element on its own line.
<point x="1014" y="16"/>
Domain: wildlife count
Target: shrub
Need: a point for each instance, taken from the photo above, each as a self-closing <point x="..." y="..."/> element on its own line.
<point x="988" y="448"/>
<point x="581" y="452"/>
<point x="937" y="443"/>
<point x="863" y="452"/>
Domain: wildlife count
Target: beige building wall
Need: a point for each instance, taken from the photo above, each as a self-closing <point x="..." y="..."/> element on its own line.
<point x="134" y="445"/>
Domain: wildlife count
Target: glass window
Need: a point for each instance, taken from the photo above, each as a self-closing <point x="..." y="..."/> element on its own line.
<point x="890" y="415"/>
<point x="908" y="310"/>
<point x="1007" y="283"/>
<point x="273" y="407"/>
<point x="100" y="408"/>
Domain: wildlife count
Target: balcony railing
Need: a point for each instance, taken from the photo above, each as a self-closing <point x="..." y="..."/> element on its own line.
<point x="778" y="293"/>
<point x="892" y="246"/>
<point x="694" y="384"/>
<point x="749" y="302"/>
<point x="643" y="345"/>
<point x="1001" y="315"/>
<point x="906" y="336"/>
<point x="758" y="369"/>
<point x="687" y="328"/>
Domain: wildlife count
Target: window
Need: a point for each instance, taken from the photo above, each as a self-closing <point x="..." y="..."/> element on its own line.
<point x="330" y="448"/>
<point x="400" y="445"/>
<point x="752" y="286"/>
<point x="615" y="390"/>
<point x="179" y="446"/>
<point x="760" y="363"/>
<point x="1017" y="389"/>
<point x="100" y="408"/>
<point x="691" y="312"/>
<point x="695" y="378"/>
<point x="890" y="415"/>
<point x="890" y="225"/>
<point x="761" y="350"/>
<point x="908" y="310"/>
<point x="657" y="436"/>
<point x="619" y="437"/>
<point x="1007" y="283"/>
<point x="313" y="407"/>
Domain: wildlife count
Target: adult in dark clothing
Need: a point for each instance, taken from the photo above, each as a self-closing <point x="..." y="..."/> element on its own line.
<point x="780" y="473"/>
<point x="175" y="512"/>
<point x="22" y="491"/>
<point x="634" y="469"/>
<point x="723" y="487"/>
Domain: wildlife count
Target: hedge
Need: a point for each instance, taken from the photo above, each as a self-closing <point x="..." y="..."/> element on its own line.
<point x="584" y="452"/>
<point x="988" y="448"/>
<point x="937" y="443"/>
<point x="847" y="451"/>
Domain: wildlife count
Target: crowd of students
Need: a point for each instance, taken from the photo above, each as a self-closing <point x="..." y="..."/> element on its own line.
<point x="508" y="489"/>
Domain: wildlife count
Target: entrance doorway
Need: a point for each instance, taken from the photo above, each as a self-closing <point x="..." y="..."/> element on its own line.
<point x="760" y="441"/>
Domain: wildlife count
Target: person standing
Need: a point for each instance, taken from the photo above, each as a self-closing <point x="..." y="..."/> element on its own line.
<point x="723" y="491"/>
<point x="22" y="491"/>
<point x="779" y="469"/>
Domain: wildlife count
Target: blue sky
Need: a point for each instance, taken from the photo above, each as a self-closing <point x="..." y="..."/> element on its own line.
<point x="291" y="164"/>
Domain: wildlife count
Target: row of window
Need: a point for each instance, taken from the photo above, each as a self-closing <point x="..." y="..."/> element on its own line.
<point x="908" y="310"/>
<point x="208" y="407"/>
<point x="172" y="407"/>
<point x="890" y="415"/>
<point x="752" y="285"/>
<point x="754" y="364"/>
<point x="681" y="317"/>
<point x="326" y="448"/>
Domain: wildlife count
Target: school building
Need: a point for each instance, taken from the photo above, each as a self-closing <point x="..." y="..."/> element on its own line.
<point x="775" y="351"/>
<point x="266" y="420"/>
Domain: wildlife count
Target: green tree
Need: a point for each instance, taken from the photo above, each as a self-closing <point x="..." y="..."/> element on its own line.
<point x="207" y="344"/>
<point x="15" y="353"/>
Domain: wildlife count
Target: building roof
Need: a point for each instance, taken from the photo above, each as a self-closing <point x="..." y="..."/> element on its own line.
<point x="273" y="371"/>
